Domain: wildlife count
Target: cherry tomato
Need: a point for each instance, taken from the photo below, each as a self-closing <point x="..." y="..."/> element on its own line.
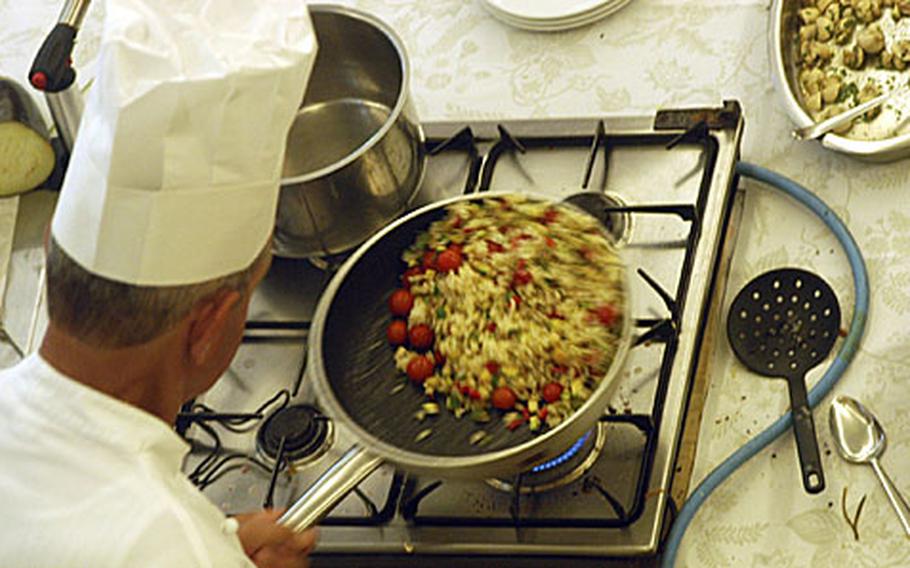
<point x="550" y="242"/>
<point x="421" y="336"/>
<point x="551" y="392"/>
<point x="491" y="327"/>
<point x="448" y="260"/>
<point x="606" y="315"/>
<point x="397" y="332"/>
<point x="420" y="368"/>
<point x="549" y="216"/>
<point x="429" y="260"/>
<point x="503" y="398"/>
<point x="542" y="413"/>
<point x="400" y="302"/>
<point x="517" y="299"/>
<point x="456" y="224"/>
<point x="410" y="273"/>
<point x="493" y="367"/>
<point x="521" y="277"/>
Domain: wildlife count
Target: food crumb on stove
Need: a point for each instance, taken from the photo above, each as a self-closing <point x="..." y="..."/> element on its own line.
<point x="423" y="435"/>
<point x="743" y="397"/>
<point x="830" y="504"/>
<point x="773" y="456"/>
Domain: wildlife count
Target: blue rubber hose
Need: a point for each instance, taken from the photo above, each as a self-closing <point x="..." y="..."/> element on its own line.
<point x="820" y="390"/>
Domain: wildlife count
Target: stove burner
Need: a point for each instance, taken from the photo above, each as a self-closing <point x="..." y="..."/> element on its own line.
<point x="563" y="469"/>
<point x="308" y="434"/>
<point x="618" y="224"/>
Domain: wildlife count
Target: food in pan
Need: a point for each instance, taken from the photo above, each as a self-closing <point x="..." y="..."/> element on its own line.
<point x="513" y="311"/>
<point x="26" y="155"/>
<point x="849" y="51"/>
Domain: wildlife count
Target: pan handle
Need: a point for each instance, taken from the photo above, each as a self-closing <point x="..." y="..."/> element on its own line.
<point x="331" y="487"/>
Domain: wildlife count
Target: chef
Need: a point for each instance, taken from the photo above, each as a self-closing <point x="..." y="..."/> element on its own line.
<point x="160" y="235"/>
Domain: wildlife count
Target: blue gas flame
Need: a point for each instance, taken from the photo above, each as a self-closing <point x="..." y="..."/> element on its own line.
<point x="562" y="458"/>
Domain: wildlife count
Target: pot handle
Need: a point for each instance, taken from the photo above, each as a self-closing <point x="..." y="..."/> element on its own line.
<point x="331" y="487"/>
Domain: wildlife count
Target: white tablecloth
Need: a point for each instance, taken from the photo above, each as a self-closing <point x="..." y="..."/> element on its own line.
<point x="658" y="53"/>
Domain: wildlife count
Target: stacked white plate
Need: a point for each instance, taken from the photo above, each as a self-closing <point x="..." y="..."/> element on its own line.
<point x="551" y="15"/>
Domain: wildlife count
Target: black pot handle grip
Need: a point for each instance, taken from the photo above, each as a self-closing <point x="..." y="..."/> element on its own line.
<point x="52" y="70"/>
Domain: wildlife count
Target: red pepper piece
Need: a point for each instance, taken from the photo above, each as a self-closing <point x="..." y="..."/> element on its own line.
<point x="439" y="358"/>
<point x="494" y="247"/>
<point x="521" y="277"/>
<point x="606" y="315"/>
<point x="549" y="216"/>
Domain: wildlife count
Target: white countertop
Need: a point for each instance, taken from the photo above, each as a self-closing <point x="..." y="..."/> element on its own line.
<point x="657" y="53"/>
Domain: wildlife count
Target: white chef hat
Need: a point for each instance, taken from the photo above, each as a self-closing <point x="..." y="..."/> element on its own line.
<point x="175" y="173"/>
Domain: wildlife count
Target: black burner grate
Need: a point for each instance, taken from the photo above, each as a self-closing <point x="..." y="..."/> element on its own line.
<point x="304" y="429"/>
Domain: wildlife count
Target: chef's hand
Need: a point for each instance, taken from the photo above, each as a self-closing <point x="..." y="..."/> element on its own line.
<point x="270" y="545"/>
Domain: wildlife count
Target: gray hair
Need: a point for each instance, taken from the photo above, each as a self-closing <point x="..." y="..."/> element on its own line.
<point x="109" y="314"/>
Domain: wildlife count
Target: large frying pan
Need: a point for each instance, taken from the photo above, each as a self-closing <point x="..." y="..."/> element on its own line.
<point x="352" y="367"/>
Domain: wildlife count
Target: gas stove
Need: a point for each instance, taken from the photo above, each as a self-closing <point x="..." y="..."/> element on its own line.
<point x="259" y="438"/>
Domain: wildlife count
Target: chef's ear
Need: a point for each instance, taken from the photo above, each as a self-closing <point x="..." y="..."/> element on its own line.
<point x="209" y="321"/>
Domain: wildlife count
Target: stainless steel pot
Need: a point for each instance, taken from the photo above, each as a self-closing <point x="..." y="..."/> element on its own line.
<point x="784" y="56"/>
<point x="355" y="154"/>
<point x="350" y="362"/>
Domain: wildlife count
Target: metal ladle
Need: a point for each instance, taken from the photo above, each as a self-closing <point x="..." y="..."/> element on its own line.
<point x="861" y="439"/>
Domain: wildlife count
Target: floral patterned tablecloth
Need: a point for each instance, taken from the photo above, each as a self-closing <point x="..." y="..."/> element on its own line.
<point x="658" y="53"/>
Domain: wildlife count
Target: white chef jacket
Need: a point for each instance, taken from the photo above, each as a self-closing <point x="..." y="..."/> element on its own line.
<point x="89" y="481"/>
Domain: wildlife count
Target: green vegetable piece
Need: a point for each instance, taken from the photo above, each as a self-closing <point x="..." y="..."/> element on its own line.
<point x="480" y="416"/>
